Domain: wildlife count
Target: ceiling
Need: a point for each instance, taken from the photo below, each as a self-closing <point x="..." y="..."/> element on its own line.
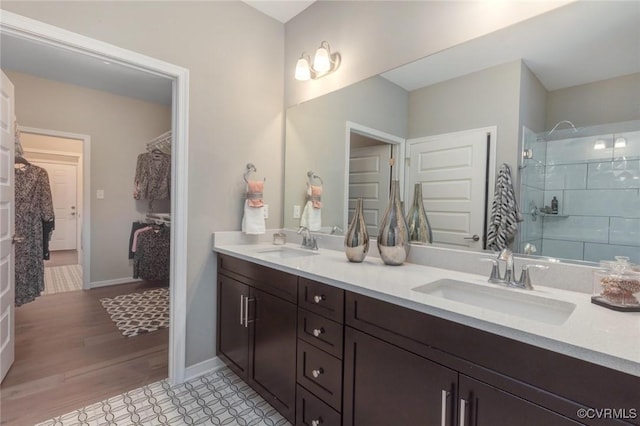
<point x="67" y="66"/>
<point x="576" y="44"/>
<point x="283" y="11"/>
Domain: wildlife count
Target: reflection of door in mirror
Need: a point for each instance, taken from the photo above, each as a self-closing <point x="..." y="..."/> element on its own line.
<point x="370" y="171"/>
<point x="454" y="170"/>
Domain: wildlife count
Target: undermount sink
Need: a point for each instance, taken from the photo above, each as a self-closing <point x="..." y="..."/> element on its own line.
<point x="286" y="252"/>
<point x="503" y="300"/>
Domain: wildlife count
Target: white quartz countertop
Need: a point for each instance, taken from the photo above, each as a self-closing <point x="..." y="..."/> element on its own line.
<point x="591" y="333"/>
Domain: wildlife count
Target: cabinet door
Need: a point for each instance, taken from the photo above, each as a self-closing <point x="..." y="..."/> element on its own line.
<point x="386" y="385"/>
<point x="480" y="404"/>
<point x="273" y="347"/>
<point x="233" y="332"/>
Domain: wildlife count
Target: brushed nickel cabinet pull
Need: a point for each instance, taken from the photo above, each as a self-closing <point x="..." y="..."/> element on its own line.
<point x="443" y="410"/>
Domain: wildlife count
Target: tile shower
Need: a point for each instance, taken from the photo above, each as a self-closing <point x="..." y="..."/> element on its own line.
<point x="594" y="173"/>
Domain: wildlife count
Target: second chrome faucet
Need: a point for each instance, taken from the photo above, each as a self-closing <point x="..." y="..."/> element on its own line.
<point x="508" y="277"/>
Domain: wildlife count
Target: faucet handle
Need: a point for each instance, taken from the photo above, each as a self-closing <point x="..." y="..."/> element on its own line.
<point x="525" y="278"/>
<point x="495" y="272"/>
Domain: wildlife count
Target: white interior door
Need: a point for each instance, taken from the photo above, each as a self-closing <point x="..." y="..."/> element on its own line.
<point x="7" y="226"/>
<point x="369" y="177"/>
<point x="63" y="181"/>
<point x="452" y="169"/>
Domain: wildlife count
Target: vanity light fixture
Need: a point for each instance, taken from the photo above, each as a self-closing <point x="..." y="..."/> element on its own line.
<point x="620" y="143"/>
<point x="600" y="144"/>
<point x="324" y="63"/>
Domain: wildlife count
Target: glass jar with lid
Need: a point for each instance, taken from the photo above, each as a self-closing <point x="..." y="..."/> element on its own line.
<point x="617" y="285"/>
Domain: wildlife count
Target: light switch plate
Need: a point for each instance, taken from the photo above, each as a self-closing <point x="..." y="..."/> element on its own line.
<point x="100" y="194"/>
<point x="266" y="211"/>
<point x="296" y="212"/>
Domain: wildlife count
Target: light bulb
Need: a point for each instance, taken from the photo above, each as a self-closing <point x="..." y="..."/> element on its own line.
<point x="303" y="72"/>
<point x="322" y="62"/>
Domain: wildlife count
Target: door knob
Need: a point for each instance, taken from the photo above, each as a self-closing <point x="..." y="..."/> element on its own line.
<point x="474" y="237"/>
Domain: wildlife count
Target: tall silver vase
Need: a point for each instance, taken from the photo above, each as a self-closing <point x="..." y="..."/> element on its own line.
<point x="419" y="228"/>
<point x="393" y="236"/>
<point x="356" y="241"/>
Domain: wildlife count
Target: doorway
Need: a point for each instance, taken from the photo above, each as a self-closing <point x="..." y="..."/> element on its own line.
<point x="61" y="155"/>
<point x="42" y="34"/>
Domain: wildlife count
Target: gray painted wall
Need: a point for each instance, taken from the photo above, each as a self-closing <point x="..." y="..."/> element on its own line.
<point x="119" y="128"/>
<point x="377" y="36"/>
<point x="484" y="98"/>
<point x="607" y="101"/>
<point x="235" y="56"/>
<point x="317" y="140"/>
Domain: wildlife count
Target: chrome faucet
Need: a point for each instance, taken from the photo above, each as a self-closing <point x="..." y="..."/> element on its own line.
<point x="308" y="241"/>
<point x="508" y="278"/>
<point x="506" y="256"/>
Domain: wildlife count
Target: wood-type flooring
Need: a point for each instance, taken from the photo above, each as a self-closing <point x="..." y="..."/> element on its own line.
<point x="70" y="354"/>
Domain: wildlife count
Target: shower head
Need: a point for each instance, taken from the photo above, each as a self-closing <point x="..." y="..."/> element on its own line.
<point x="559" y="123"/>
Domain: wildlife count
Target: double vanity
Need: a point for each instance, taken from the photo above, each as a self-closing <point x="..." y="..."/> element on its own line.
<point x="328" y="342"/>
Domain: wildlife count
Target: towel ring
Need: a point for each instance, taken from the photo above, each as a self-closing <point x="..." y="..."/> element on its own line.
<point x="250" y="169"/>
<point x="312" y="176"/>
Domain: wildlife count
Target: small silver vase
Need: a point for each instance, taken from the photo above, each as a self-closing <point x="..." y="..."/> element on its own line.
<point x="419" y="228"/>
<point x="356" y="241"/>
<point x="393" y="236"/>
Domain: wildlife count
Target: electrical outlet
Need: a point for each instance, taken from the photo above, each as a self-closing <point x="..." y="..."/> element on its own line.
<point x="266" y="211"/>
<point x="296" y="212"/>
<point x="100" y="194"/>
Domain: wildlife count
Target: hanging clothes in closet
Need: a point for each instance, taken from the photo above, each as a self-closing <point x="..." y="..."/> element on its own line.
<point x="34" y="222"/>
<point x="153" y="176"/>
<point x="151" y="250"/>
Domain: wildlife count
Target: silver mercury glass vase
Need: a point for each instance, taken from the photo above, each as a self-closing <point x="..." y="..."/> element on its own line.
<point x="356" y="241"/>
<point x="419" y="228"/>
<point x="393" y="236"/>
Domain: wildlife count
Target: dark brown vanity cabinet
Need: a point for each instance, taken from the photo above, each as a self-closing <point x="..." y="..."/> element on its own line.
<point x="480" y="404"/>
<point x="386" y="385"/>
<point x="320" y="350"/>
<point x="257" y="317"/>
<point x="406" y="367"/>
<point x="323" y="356"/>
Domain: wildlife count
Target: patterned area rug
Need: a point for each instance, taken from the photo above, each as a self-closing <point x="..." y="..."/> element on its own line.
<point x="58" y="279"/>
<point x="138" y="313"/>
<point x="217" y="398"/>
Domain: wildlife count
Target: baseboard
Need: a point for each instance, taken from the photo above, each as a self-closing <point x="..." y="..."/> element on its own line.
<point x="116" y="281"/>
<point x="202" y="368"/>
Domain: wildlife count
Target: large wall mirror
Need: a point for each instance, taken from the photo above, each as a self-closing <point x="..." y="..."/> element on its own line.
<point x="579" y="63"/>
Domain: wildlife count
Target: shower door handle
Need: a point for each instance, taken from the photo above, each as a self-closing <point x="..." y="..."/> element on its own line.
<point x="474" y="237"/>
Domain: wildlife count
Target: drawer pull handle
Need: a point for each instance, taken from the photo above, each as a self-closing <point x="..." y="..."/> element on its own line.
<point x="316" y="422"/>
<point x="318" y="298"/>
<point x="318" y="331"/>
<point x="316" y="373"/>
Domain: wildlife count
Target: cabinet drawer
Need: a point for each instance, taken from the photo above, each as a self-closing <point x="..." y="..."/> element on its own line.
<point x="272" y="281"/>
<point x="320" y="332"/>
<point x="322" y="299"/>
<point x="320" y="373"/>
<point x="311" y="411"/>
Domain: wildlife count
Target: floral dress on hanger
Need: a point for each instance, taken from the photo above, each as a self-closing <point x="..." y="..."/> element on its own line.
<point x="34" y="209"/>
